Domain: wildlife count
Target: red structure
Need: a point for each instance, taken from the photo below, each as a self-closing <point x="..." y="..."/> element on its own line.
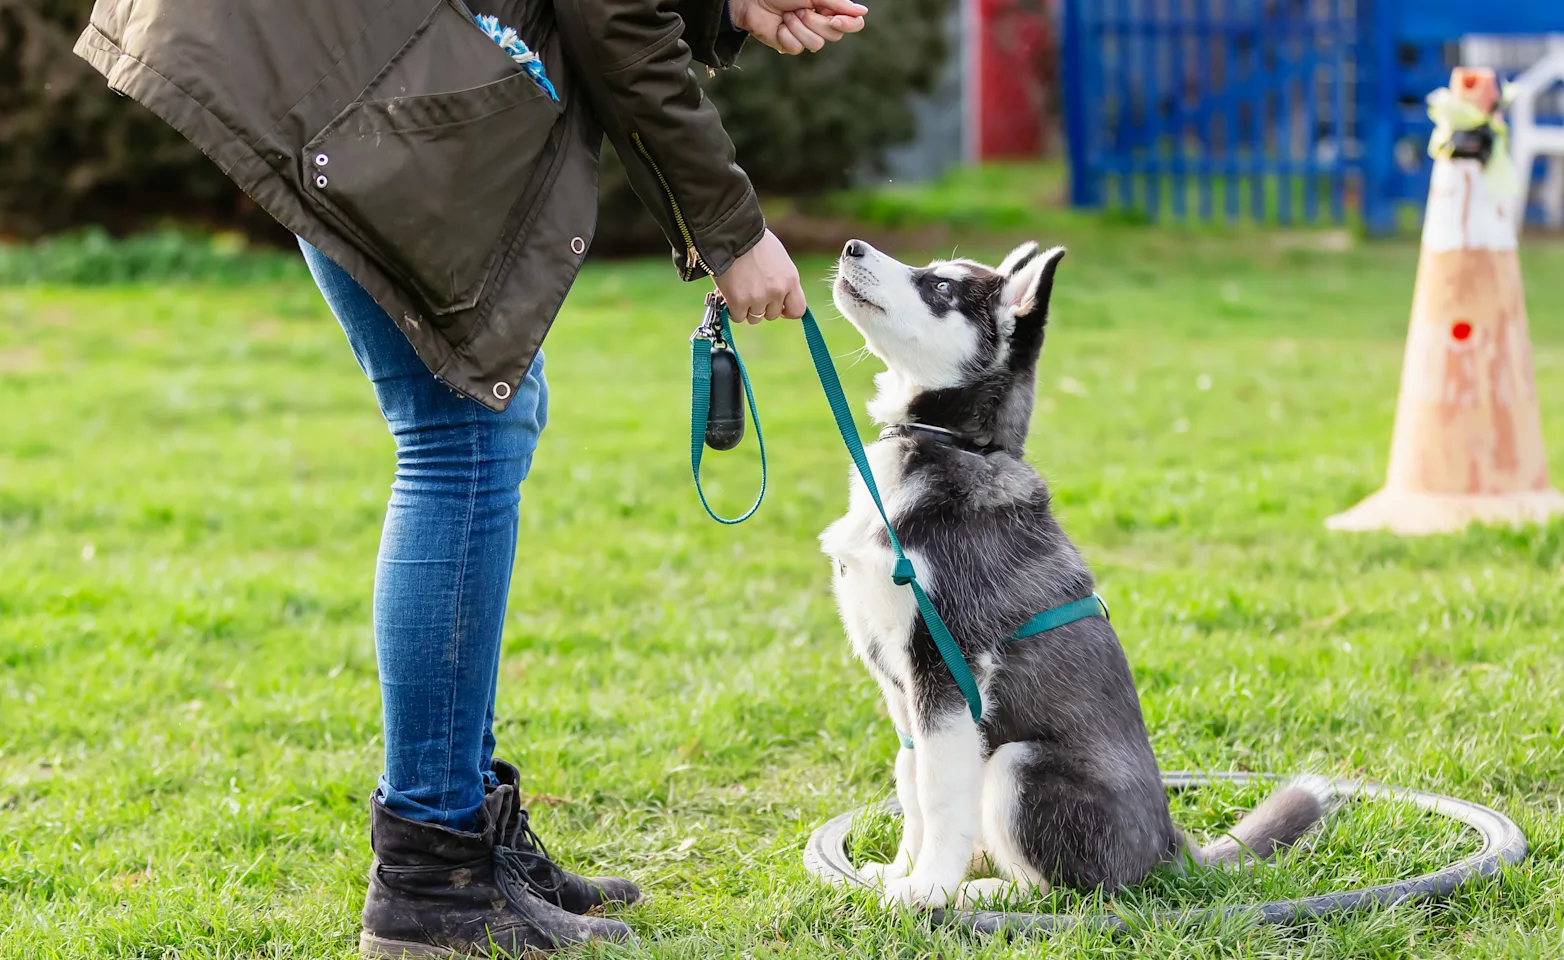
<point x="1010" y="76"/>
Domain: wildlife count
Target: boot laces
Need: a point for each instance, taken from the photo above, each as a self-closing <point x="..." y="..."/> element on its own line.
<point x="523" y="860"/>
<point x="512" y="874"/>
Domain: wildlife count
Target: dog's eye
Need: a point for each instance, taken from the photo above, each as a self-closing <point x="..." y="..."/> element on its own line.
<point x="943" y="286"/>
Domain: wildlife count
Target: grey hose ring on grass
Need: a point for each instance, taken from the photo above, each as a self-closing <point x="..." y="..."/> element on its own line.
<point x="825" y="856"/>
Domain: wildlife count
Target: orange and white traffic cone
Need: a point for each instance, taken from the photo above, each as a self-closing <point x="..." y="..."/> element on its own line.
<point x="1468" y="438"/>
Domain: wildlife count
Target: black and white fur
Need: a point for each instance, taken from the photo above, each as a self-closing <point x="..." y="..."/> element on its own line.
<point x="1057" y="784"/>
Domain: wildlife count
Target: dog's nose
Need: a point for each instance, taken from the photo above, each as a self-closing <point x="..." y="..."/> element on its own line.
<point x="856" y="249"/>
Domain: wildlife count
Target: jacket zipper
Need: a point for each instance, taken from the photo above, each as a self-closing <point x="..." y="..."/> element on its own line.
<point x="693" y="257"/>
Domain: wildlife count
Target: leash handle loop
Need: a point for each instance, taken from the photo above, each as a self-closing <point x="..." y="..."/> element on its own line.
<point x="903" y="574"/>
<point x="700" y="405"/>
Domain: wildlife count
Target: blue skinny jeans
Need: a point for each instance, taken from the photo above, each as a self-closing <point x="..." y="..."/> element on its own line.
<point x="445" y="561"/>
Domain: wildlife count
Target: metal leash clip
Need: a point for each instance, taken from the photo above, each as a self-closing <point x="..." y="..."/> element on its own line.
<point x="725" y="415"/>
<point x="711" y="321"/>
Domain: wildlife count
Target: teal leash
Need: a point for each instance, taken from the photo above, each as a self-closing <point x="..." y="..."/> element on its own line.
<point x="715" y="329"/>
<point x="903" y="573"/>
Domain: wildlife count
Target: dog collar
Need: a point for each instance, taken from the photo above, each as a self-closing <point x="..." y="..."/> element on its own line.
<point x="940" y="435"/>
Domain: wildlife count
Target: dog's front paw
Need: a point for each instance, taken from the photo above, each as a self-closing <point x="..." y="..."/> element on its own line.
<point x="917" y="892"/>
<point x="879" y="873"/>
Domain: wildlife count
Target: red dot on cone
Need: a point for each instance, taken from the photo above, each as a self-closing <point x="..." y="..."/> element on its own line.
<point x="1461" y="330"/>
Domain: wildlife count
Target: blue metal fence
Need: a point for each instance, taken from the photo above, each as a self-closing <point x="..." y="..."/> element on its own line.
<point x="1275" y="110"/>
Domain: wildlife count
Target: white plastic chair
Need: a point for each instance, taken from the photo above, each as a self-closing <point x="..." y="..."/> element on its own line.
<point x="1528" y="141"/>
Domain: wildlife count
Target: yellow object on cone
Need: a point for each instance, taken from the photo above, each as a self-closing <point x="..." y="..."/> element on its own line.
<point x="1468" y="438"/>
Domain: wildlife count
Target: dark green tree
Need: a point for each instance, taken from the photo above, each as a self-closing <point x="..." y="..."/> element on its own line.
<point x="808" y="124"/>
<point x="72" y="152"/>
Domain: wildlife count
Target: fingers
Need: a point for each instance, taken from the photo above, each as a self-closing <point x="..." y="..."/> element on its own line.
<point x="784" y="40"/>
<point x="790" y="304"/>
<point x="793" y="306"/>
<point x="814" y="29"/>
<point x="795" y="24"/>
<point x="824" y="27"/>
<point x="831" y="28"/>
<point x="770" y="310"/>
<point x="847" y="24"/>
<point x="846" y="8"/>
<point x="749" y="311"/>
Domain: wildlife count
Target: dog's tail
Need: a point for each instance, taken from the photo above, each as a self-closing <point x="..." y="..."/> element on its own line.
<point x="1280" y="821"/>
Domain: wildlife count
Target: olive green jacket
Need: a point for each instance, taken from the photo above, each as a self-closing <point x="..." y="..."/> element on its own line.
<point x="405" y="144"/>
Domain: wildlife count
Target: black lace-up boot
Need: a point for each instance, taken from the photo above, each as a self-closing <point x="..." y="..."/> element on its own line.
<point x="551" y="881"/>
<point x="437" y="892"/>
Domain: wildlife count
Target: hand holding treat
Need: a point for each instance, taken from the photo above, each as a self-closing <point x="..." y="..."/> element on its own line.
<point x="792" y="26"/>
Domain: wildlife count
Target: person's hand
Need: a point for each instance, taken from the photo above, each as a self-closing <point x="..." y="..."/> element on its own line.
<point x="793" y="26"/>
<point x="763" y="284"/>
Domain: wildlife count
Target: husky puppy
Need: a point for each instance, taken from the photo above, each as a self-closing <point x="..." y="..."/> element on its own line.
<point x="1057" y="783"/>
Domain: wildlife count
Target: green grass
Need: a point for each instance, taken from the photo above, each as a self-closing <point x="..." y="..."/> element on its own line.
<point x="192" y="479"/>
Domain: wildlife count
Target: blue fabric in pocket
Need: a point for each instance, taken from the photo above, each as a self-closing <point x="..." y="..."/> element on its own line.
<point x="512" y="43"/>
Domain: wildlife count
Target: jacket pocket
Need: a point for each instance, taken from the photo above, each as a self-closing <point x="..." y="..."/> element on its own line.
<point x="428" y="183"/>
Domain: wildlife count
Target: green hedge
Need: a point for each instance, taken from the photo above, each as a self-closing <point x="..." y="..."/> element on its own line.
<point x="91" y="257"/>
<point x="73" y="154"/>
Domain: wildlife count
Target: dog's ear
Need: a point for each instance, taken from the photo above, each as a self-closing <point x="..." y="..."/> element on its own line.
<point x="1028" y="288"/>
<point x="1019" y="257"/>
<point x="1029" y="285"/>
